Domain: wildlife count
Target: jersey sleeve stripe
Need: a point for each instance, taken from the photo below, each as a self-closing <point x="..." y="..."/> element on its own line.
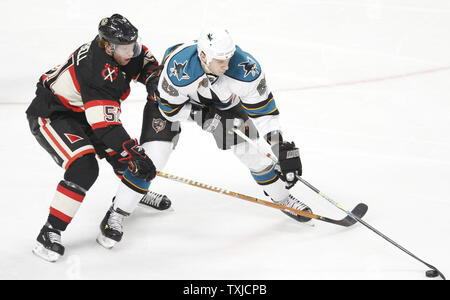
<point x="67" y="104"/>
<point x="269" y="113"/>
<point x="169" y="109"/>
<point x="104" y="124"/>
<point x="74" y="78"/>
<point x="102" y="113"/>
<point x="94" y="103"/>
<point x="264" y="108"/>
<point x="258" y="105"/>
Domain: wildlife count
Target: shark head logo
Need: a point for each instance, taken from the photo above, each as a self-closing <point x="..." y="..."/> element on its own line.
<point x="178" y="70"/>
<point x="249" y="67"/>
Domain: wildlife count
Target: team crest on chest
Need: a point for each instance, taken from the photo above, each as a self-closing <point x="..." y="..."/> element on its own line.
<point x="178" y="70"/>
<point x="110" y="73"/>
<point x="158" y="125"/>
<point x="249" y="67"/>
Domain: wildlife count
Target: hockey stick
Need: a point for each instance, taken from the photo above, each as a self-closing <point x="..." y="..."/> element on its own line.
<point x="360" y="209"/>
<point x="343" y="222"/>
<point x="434" y="272"/>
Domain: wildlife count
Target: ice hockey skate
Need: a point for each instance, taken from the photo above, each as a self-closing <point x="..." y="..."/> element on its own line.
<point x="293" y="202"/>
<point x="111" y="228"/>
<point x="156" y="201"/>
<point x="48" y="246"/>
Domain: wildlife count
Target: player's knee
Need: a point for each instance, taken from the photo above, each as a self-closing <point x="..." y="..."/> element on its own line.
<point x="83" y="171"/>
<point x="159" y="152"/>
<point x="118" y="167"/>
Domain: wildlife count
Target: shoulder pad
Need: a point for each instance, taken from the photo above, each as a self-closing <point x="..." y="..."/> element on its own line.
<point x="169" y="51"/>
<point x="243" y="66"/>
<point x="184" y="67"/>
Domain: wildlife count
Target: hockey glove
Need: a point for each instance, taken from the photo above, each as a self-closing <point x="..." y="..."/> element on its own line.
<point x="289" y="162"/>
<point x="151" y="82"/>
<point x="139" y="164"/>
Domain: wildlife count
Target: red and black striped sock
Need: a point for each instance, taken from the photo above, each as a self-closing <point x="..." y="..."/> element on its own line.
<point x="65" y="204"/>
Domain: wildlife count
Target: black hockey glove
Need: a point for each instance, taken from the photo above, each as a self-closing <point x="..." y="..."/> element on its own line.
<point x="289" y="162"/>
<point x="139" y="164"/>
<point x="151" y="82"/>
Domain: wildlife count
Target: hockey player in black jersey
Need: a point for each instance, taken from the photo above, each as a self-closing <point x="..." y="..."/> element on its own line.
<point x="75" y="116"/>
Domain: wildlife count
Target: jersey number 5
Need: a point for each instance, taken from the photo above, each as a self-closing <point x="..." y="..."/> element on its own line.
<point x="112" y="114"/>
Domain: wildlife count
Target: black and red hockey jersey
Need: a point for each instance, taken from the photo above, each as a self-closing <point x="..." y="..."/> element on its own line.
<point x="91" y="85"/>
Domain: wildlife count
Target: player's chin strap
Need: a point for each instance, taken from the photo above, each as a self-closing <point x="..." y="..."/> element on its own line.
<point x="349" y="213"/>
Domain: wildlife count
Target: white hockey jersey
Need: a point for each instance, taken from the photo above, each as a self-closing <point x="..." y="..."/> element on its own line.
<point x="184" y="83"/>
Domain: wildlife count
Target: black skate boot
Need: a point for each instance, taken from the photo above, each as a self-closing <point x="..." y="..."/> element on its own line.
<point x="111" y="228"/>
<point x="48" y="244"/>
<point x="155" y="200"/>
<point x="292" y="202"/>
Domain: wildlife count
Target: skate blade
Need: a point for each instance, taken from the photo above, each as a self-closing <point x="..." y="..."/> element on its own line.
<point x="307" y="223"/>
<point x="48" y="255"/>
<point x="105" y="242"/>
<point x="155" y="209"/>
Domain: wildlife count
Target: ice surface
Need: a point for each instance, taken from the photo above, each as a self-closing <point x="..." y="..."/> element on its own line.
<point x="384" y="142"/>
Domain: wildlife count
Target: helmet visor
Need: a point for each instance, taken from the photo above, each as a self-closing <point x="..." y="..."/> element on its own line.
<point x="129" y="50"/>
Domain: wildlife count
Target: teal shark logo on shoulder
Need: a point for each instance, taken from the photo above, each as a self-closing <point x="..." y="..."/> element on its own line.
<point x="178" y="70"/>
<point x="249" y="67"/>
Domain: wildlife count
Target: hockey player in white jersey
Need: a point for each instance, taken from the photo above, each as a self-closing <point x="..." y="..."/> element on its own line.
<point x="215" y="83"/>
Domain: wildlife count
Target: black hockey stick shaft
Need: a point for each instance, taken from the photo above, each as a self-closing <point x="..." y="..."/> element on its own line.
<point x="372" y="228"/>
<point x="353" y="216"/>
<point x="399" y="246"/>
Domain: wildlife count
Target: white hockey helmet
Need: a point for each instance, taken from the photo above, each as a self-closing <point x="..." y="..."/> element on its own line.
<point x="216" y="43"/>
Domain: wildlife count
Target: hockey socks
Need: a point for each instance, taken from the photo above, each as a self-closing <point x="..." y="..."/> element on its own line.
<point x="131" y="191"/>
<point x="265" y="177"/>
<point x="66" y="202"/>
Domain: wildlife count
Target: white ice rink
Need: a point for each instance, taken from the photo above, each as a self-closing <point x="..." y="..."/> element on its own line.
<point x="363" y="87"/>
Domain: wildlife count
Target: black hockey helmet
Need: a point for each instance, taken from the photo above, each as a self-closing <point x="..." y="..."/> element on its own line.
<point x="117" y="30"/>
